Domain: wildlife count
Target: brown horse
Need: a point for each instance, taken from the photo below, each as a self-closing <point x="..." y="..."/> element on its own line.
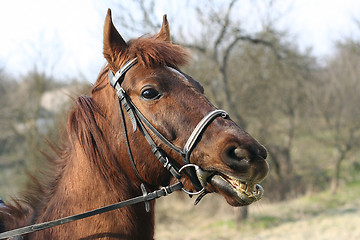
<point x="93" y="167"/>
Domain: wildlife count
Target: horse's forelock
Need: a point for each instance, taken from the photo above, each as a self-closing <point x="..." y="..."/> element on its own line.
<point x="151" y="52"/>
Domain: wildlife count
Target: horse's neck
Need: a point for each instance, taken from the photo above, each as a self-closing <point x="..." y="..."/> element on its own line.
<point x="81" y="189"/>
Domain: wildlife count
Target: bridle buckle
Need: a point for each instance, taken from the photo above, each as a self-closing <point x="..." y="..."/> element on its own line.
<point x="166" y="163"/>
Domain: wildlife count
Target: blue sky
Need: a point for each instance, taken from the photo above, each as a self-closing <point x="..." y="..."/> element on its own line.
<point x="65" y="37"/>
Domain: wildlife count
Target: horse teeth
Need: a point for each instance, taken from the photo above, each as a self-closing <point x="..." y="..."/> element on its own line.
<point x="239" y="184"/>
<point x="243" y="186"/>
<point x="251" y="190"/>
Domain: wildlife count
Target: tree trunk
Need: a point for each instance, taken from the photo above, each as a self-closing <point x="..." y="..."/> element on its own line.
<point x="241" y="214"/>
<point x="336" y="179"/>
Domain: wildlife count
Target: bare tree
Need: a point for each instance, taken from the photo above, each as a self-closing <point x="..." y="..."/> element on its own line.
<point x="337" y="99"/>
<point x="220" y="33"/>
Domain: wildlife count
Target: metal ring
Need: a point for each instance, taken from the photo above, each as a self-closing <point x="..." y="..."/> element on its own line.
<point x="196" y="167"/>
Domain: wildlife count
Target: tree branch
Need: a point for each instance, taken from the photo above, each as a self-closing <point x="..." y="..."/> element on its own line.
<point x="223" y="30"/>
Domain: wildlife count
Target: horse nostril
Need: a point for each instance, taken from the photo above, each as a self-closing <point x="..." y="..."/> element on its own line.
<point x="238" y="153"/>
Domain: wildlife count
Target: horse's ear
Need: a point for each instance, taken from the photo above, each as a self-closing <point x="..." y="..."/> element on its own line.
<point x="113" y="42"/>
<point x="164" y="33"/>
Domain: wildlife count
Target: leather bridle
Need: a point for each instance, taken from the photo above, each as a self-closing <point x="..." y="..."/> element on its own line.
<point x="197" y="176"/>
<point x="138" y="121"/>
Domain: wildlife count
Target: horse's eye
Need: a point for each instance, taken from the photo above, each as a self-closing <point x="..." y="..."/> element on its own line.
<point x="150" y="94"/>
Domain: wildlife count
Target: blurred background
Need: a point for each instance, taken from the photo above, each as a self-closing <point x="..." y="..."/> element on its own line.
<point x="288" y="72"/>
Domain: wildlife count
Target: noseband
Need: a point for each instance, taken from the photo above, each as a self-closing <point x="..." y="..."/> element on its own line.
<point x="138" y="120"/>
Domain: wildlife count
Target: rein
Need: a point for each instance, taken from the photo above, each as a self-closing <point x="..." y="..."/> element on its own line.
<point x="146" y="197"/>
<point x="197" y="176"/>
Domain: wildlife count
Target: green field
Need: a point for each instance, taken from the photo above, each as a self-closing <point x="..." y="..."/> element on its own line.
<point x="316" y="216"/>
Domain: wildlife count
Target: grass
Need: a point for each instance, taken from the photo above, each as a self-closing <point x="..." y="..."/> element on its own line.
<point x="214" y="219"/>
<point x="263" y="222"/>
<point x="313" y="205"/>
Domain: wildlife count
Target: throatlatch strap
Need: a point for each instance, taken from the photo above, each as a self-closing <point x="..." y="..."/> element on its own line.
<point x="125" y="101"/>
<point x="129" y="149"/>
<point x="115" y="81"/>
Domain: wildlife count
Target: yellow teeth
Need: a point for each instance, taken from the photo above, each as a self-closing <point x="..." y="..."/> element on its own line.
<point x="244" y="192"/>
<point x="249" y="190"/>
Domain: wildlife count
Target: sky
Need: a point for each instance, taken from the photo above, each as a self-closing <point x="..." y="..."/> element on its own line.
<point x="64" y="38"/>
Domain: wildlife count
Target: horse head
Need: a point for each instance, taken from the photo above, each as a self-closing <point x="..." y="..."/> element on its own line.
<point x="227" y="159"/>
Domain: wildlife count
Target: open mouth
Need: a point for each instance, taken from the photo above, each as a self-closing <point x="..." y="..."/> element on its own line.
<point x="236" y="191"/>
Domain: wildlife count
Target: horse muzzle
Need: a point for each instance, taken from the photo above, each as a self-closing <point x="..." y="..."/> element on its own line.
<point x="236" y="191"/>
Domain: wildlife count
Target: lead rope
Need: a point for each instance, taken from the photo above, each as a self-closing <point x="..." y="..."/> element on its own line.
<point x="146" y="197"/>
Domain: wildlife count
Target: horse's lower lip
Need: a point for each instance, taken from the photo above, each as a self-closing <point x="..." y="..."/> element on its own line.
<point x="244" y="193"/>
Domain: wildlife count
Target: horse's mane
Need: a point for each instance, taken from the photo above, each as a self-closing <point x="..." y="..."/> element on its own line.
<point x="83" y="128"/>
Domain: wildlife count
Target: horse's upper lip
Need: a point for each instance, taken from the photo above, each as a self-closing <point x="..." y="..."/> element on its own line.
<point x="240" y="191"/>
